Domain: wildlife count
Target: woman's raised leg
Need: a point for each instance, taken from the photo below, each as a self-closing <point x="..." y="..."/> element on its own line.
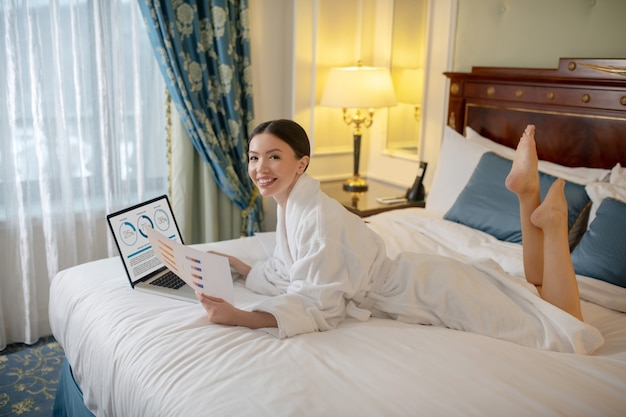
<point x="559" y="279"/>
<point x="523" y="180"/>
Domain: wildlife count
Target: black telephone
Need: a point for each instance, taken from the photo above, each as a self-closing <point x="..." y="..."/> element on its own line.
<point x="417" y="192"/>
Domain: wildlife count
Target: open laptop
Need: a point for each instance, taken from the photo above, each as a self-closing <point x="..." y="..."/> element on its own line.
<point x="144" y="270"/>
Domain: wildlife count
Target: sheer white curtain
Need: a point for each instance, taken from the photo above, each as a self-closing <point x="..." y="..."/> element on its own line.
<point x="82" y="133"/>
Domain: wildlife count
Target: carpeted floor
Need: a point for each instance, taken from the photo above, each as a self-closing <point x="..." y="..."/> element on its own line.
<point x="28" y="378"/>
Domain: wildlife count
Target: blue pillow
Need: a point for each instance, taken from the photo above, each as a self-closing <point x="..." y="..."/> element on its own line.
<point x="601" y="253"/>
<point x="486" y="204"/>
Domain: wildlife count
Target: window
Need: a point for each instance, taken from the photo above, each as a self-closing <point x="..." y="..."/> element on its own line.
<point x="82" y="104"/>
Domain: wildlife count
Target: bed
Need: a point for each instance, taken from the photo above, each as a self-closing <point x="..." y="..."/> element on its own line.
<point x="135" y="354"/>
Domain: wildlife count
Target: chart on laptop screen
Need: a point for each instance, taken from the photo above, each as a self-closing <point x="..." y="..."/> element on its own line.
<point x="129" y="229"/>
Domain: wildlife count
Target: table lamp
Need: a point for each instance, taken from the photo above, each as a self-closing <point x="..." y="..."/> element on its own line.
<point x="358" y="88"/>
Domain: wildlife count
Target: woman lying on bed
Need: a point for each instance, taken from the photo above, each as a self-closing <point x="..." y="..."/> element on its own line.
<point x="328" y="264"/>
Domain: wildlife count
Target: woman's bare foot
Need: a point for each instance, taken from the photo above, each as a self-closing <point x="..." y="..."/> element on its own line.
<point x="552" y="212"/>
<point x="523" y="177"/>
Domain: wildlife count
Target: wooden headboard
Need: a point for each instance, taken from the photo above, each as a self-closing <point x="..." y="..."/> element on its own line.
<point x="579" y="108"/>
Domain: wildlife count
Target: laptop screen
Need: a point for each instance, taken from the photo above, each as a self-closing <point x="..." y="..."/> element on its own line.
<point x="135" y="250"/>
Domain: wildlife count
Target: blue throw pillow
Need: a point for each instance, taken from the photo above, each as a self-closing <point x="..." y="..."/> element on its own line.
<point x="601" y="253"/>
<point x="486" y="204"/>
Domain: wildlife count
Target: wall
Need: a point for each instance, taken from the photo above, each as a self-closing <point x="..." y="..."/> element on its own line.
<point x="272" y="45"/>
<point x="536" y="33"/>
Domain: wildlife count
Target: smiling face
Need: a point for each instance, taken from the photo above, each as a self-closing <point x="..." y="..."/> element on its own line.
<point x="273" y="166"/>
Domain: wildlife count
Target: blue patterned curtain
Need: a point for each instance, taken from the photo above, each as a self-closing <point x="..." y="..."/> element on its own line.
<point x="203" y="49"/>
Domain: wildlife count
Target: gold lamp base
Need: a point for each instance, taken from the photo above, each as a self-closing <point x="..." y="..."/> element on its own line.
<point x="355" y="184"/>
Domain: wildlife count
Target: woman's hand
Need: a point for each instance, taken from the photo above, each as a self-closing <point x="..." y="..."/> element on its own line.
<point x="242" y="268"/>
<point x="222" y="312"/>
<point x="218" y="310"/>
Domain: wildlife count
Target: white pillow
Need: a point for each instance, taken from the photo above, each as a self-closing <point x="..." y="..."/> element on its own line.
<point x="497" y="148"/>
<point x="618" y="175"/>
<point x="457" y="161"/>
<point x="615" y="188"/>
<point x="578" y="175"/>
<point x="598" y="191"/>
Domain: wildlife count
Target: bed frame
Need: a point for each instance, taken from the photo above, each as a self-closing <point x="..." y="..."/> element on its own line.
<point x="579" y="108"/>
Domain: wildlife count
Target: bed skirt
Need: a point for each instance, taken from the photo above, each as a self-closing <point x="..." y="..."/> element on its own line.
<point x="69" y="398"/>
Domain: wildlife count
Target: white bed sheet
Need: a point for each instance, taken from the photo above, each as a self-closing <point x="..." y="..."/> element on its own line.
<point x="135" y="354"/>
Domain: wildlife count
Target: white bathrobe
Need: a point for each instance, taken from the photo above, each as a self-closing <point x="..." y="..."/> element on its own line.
<point x="328" y="264"/>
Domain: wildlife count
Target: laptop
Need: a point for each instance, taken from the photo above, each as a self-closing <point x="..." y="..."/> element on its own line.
<point x="144" y="270"/>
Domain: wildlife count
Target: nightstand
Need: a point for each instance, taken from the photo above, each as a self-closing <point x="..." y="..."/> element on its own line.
<point x="364" y="204"/>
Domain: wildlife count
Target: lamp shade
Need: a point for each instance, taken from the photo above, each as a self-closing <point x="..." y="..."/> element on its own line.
<point x="359" y="87"/>
<point x="410" y="86"/>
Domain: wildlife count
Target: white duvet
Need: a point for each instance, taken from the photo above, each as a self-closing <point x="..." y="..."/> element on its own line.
<point x="135" y="354"/>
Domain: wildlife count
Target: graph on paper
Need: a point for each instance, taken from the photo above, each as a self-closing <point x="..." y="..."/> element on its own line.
<point x="206" y="272"/>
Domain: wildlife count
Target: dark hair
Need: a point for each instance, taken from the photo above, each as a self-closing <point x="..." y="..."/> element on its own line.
<point x="289" y="132"/>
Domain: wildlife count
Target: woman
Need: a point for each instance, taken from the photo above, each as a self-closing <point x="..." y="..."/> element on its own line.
<point x="328" y="264"/>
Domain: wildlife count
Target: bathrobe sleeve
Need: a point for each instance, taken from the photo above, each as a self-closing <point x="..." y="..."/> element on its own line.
<point x="269" y="277"/>
<point x="325" y="275"/>
<point x="330" y="256"/>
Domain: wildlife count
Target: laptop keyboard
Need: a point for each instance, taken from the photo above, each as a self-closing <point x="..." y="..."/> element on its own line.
<point x="169" y="280"/>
